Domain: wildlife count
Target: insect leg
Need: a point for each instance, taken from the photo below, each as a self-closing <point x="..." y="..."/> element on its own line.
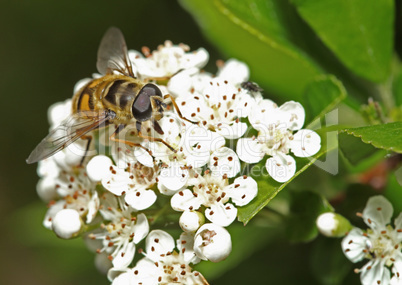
<point x="89" y="139"/>
<point x="177" y="108"/>
<point x="118" y="130"/>
<point x="153" y="139"/>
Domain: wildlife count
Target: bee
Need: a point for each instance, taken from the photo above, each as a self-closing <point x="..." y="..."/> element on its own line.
<point x="118" y="97"/>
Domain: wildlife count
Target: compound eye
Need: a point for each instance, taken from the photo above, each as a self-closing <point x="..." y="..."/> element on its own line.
<point x="142" y="107"/>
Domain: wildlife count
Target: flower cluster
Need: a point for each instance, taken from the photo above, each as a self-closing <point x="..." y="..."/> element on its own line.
<point x="112" y="195"/>
<point x="381" y="244"/>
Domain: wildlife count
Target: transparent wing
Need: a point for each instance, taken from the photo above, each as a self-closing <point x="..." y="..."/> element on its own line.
<point x="112" y="54"/>
<point x="69" y="131"/>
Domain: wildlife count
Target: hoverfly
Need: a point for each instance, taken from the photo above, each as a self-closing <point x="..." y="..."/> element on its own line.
<point x="118" y="99"/>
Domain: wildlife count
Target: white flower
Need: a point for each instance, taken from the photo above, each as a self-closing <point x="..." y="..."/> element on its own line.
<point x="167" y="60"/>
<point x="163" y="264"/>
<point x="73" y="191"/>
<point x="134" y="182"/>
<point x="120" y="236"/>
<point x="275" y="138"/>
<point x="214" y="192"/>
<point x="67" y="223"/>
<point x="380" y="244"/>
<point x="212" y="242"/>
<point x="219" y="105"/>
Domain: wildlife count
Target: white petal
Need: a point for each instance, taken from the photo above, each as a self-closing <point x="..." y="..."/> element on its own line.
<point x="185" y="200"/>
<point x="180" y="84"/>
<point x="48" y="167"/>
<point x="124" y="278"/>
<point x="234" y="71"/>
<point x="197" y="145"/>
<point x="143" y="157"/>
<point x="173" y="177"/>
<point x="216" y="142"/>
<point x="58" y="112"/>
<point x="140" y="199"/>
<point x="212" y="242"/>
<point x="232" y="131"/>
<point x="118" y="182"/>
<point x="51" y="212"/>
<point x="93" y="207"/>
<point x="224" y="161"/>
<point x="145" y="272"/>
<point x="70" y="156"/>
<point x="124" y="256"/>
<point x="194" y="107"/>
<point x="46" y="188"/>
<point x="292" y="113"/>
<point x="102" y="263"/>
<point x="395" y="280"/>
<point x="249" y="150"/>
<point x="165" y="191"/>
<point x="354" y="244"/>
<point x="242" y="190"/>
<point x="397" y="268"/>
<point x="263" y="114"/>
<point x="217" y="92"/>
<point x="185" y="245"/>
<point x="378" y="212"/>
<point x="281" y="167"/>
<point x="158" y="242"/>
<point x="398" y="228"/>
<point x="305" y="143"/>
<point x="67" y="223"/>
<point x="99" y="167"/>
<point x="141" y="228"/>
<point x="222" y="215"/>
<point x="374" y="273"/>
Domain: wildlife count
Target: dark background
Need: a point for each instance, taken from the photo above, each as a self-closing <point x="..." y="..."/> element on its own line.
<point x="45" y="48"/>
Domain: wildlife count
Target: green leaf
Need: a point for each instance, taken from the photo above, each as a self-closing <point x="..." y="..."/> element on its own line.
<point x="322" y="95"/>
<point x="268" y="188"/>
<point x="397" y="88"/>
<point x="304" y="210"/>
<point x="393" y="190"/>
<point x="359" y="32"/>
<point x="359" y="155"/>
<point x="259" y="33"/>
<point x="329" y="264"/>
<point x="385" y="136"/>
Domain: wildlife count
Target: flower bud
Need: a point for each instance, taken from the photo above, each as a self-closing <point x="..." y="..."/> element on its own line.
<point x="67" y="223"/>
<point x="333" y="225"/>
<point x="212" y="242"/>
<point x="190" y="221"/>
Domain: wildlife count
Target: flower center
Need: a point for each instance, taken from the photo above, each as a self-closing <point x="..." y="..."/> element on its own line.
<point x="275" y="140"/>
<point x="384" y="245"/>
<point x="174" y="268"/>
<point x="143" y="175"/>
<point x="212" y="191"/>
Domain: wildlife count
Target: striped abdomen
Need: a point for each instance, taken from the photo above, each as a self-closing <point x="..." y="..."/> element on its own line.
<point x="112" y="92"/>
